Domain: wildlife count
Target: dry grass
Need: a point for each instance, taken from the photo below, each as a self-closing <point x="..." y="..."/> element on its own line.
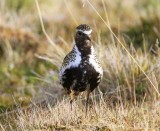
<point x="127" y="100"/>
<point x="130" y="102"/>
<point x="102" y="116"/>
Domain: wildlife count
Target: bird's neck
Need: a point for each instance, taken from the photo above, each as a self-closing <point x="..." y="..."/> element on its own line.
<point x="84" y="47"/>
<point x="85" y="52"/>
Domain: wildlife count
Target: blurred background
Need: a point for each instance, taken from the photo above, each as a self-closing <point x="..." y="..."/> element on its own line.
<point x="29" y="63"/>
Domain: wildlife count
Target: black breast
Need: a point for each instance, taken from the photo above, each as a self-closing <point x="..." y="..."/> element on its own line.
<point x="73" y="78"/>
<point x="78" y="78"/>
<point x="92" y="77"/>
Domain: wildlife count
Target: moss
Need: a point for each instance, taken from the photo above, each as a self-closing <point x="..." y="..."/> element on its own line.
<point x="141" y="89"/>
<point x="145" y="31"/>
<point x="3" y="108"/>
<point x="19" y="4"/>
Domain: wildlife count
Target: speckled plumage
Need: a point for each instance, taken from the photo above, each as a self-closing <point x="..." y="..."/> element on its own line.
<point x="81" y="69"/>
<point x="71" y="60"/>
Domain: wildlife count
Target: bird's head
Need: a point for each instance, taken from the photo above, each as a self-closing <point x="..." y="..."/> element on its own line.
<point x="83" y="36"/>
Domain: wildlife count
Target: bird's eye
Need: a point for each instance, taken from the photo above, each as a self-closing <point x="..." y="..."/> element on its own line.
<point x="79" y="33"/>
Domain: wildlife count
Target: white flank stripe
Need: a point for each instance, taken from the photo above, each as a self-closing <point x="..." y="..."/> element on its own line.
<point x="94" y="62"/>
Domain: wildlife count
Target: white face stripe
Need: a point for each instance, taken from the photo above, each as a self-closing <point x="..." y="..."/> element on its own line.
<point x="85" y="32"/>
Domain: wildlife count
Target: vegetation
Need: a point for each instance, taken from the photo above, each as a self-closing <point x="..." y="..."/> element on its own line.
<point x="30" y="94"/>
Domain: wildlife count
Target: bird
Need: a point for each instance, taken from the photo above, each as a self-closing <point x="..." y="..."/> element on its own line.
<point x="81" y="70"/>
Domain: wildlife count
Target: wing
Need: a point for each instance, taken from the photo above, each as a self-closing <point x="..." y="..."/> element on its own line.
<point x="72" y="60"/>
<point x="64" y="66"/>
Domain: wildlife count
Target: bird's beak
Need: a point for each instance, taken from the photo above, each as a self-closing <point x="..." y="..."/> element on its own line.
<point x="89" y="37"/>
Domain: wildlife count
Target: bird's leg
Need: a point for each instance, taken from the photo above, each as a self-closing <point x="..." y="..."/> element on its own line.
<point x="87" y="100"/>
<point x="72" y="95"/>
